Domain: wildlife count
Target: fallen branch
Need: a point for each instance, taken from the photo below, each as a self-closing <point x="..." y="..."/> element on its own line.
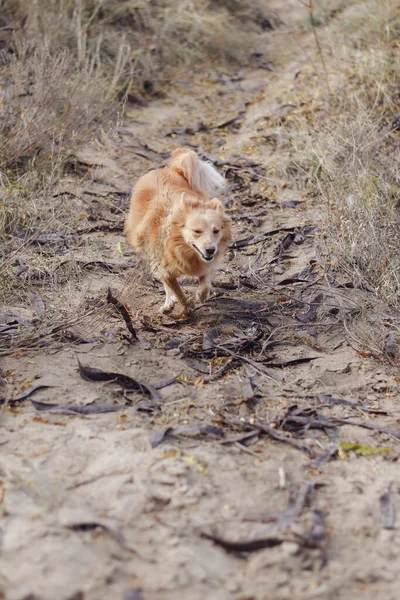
<point x="123" y="311"/>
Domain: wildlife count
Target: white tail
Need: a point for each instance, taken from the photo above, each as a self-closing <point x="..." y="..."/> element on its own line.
<point x="207" y="179"/>
<point x="199" y="174"/>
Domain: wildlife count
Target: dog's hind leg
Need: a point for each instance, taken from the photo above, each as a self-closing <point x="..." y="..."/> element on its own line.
<point x="173" y="290"/>
<point x="204" y="288"/>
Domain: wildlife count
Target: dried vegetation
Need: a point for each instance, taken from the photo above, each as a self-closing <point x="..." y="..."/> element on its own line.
<point x="63" y="68"/>
<point x="355" y="153"/>
<point x="343" y="139"/>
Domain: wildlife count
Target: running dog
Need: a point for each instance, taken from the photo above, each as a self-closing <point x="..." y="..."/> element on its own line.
<point x="175" y="220"/>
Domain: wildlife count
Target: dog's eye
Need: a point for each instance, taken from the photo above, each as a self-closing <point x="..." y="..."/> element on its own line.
<point x="197" y="231"/>
<point x="216" y="231"/>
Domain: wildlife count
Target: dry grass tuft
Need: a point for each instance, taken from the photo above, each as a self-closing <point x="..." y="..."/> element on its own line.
<point x="357" y="179"/>
<point x="48" y="107"/>
<point x="356" y="154"/>
<point x="143" y="44"/>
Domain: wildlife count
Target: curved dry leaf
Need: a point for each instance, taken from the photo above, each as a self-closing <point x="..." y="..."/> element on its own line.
<point x="29" y="391"/>
<point x="125" y="381"/>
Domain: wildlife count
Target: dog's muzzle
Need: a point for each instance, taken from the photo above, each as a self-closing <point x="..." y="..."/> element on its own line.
<point x="208" y="254"/>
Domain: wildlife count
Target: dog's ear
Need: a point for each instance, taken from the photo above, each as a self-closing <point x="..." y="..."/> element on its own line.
<point x="185" y="203"/>
<point x="215" y="204"/>
<point x="188" y="202"/>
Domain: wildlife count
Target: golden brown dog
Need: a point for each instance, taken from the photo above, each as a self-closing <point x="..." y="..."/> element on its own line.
<point x="176" y="222"/>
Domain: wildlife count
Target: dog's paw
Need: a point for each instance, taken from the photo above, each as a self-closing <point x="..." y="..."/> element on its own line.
<point x="166" y="308"/>
<point x="191" y="302"/>
<point x="203" y="295"/>
<point x="189" y="305"/>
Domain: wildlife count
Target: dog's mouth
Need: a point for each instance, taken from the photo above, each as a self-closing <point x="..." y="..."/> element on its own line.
<point x="203" y="256"/>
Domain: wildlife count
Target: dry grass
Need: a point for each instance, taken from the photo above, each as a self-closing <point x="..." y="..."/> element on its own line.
<point x="48" y="106"/>
<point x="358" y="181"/>
<point x="52" y="101"/>
<point x="144" y="43"/>
<point x="355" y="155"/>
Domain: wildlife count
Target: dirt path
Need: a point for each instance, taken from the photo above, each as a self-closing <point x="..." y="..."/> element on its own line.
<point x="252" y="493"/>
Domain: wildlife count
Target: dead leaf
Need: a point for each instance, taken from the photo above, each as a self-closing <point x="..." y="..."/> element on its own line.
<point x="190" y="431"/>
<point x="133" y="594"/>
<point x="247" y="389"/>
<point x="392" y="342"/>
<point x="158" y="436"/>
<point x="28" y="392"/>
<point x="119" y="537"/>
<point x="39" y="305"/>
<point x="360" y="449"/>
<point x="309" y="318"/>
<point x="125" y="381"/>
<point x="388" y="510"/>
<point x="244" y="545"/>
<point x="86" y="409"/>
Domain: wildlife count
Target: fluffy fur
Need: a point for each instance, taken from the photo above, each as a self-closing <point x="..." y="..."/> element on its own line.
<point x="173" y="220"/>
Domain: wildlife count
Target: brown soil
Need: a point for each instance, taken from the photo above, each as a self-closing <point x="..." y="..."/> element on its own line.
<point x="63" y="473"/>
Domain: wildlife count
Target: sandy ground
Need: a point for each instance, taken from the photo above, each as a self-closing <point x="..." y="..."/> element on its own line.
<point x="97" y="506"/>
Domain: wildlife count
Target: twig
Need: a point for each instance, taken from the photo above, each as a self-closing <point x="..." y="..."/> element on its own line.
<point x="311" y="13"/>
<point x="245" y="449"/>
<point x="123" y="311"/>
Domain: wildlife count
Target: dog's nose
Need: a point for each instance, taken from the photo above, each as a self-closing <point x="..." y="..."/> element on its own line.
<point x="209" y="250"/>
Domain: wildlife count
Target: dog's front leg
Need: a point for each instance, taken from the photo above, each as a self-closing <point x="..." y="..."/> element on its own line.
<point x="204" y="288"/>
<point x="175" y="291"/>
<point x="170" y="300"/>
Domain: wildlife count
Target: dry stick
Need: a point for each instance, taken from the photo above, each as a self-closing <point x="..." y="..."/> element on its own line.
<point x="262" y="237"/>
<point x="282" y="292"/>
<point x="231" y="364"/>
<point x="97" y="477"/>
<point x="245" y="449"/>
<point x="395" y="433"/>
<point x="123" y="311"/>
<point x="274" y="433"/>
<point x="253" y="363"/>
<point x="311" y="12"/>
<point x="273" y="288"/>
<point x="241" y="437"/>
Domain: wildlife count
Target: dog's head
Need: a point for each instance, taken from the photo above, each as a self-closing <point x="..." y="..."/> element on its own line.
<point x="204" y="226"/>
